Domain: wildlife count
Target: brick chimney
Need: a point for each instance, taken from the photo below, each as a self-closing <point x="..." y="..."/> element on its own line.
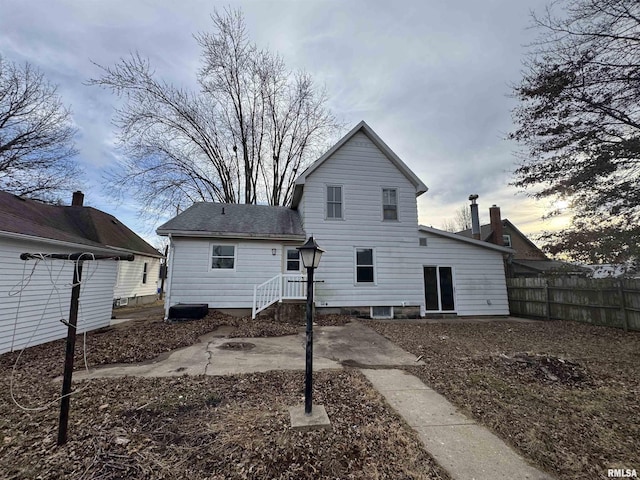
<point x="77" y="199"/>
<point x="475" y="218"/>
<point x="496" y="225"/>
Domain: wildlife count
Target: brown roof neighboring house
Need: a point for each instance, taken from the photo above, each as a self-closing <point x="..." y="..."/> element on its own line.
<point x="528" y="260"/>
<point x="74" y="224"/>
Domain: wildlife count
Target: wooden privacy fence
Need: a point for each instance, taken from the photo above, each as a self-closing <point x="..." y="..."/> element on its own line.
<point x="612" y="302"/>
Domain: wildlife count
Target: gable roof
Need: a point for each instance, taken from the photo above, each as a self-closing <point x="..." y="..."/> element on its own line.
<point x="84" y="226"/>
<point x="233" y="220"/>
<point x="486" y="232"/>
<point x="377" y="141"/>
<point x="460" y="238"/>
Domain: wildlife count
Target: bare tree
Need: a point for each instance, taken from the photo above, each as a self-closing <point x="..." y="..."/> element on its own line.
<point x="448" y="225"/>
<point x="461" y="221"/>
<point x="36" y="135"/>
<point x="578" y="122"/>
<point x="242" y="139"/>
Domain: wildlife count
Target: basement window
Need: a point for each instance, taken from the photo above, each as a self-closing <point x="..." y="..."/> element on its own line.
<point x="381" y="312"/>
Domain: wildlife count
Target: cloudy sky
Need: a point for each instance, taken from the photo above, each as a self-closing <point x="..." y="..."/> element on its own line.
<point x="431" y="77"/>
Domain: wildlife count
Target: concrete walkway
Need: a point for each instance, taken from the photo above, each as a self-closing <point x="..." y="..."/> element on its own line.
<point x="465" y="449"/>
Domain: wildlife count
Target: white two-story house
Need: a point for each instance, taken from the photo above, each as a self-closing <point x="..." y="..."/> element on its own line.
<point x="359" y="202"/>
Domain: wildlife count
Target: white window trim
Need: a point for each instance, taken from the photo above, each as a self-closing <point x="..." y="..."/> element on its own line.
<point x="145" y="273"/>
<point x="355" y="268"/>
<point x="382" y="189"/>
<point x="455" y="290"/>
<point x="326" y="201"/>
<point x="503" y="238"/>
<point x="235" y="256"/>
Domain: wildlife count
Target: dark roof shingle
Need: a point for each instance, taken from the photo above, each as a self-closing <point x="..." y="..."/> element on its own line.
<point x="82" y="225"/>
<point x="236" y="220"/>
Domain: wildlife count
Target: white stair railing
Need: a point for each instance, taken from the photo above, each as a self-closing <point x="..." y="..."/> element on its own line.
<point x="287" y="286"/>
<point x="266" y="294"/>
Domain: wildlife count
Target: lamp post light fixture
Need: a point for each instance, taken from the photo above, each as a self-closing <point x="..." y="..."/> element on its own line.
<point x="310" y="253"/>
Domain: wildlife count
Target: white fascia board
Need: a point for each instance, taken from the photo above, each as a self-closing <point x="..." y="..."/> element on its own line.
<point x="460" y="238"/>
<point x="368" y="131"/>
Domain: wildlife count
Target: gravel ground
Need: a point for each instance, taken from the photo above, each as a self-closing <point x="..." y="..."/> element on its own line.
<point x="564" y="394"/>
<point x="196" y="427"/>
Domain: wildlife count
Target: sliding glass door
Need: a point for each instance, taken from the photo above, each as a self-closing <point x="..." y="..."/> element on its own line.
<point x="438" y="289"/>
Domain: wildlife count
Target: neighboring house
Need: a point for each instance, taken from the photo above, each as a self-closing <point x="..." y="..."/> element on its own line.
<point x="35" y="295"/>
<point x="528" y="260"/>
<point x="359" y="203"/>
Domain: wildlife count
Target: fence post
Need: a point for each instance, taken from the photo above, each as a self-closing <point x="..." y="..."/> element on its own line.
<point x="623" y="306"/>
<point x="547" y="299"/>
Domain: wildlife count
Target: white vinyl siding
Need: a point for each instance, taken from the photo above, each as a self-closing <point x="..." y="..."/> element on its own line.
<point x="192" y="281"/>
<point x="364" y="171"/>
<point x="131" y="275"/>
<point x="32" y="314"/>
<point x="478" y="274"/>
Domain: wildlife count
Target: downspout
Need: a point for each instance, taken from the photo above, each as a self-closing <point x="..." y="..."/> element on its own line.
<point x="167" y="298"/>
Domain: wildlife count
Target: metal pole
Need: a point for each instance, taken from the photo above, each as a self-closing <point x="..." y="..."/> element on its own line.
<point x="308" y="379"/>
<point x="68" y="360"/>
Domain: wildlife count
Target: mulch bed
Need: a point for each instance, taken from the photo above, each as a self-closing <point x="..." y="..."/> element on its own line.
<point x="565" y="394"/>
<point x="196" y="427"/>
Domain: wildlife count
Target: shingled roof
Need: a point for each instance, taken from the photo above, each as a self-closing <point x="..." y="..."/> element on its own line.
<point x="205" y="219"/>
<point x="72" y="224"/>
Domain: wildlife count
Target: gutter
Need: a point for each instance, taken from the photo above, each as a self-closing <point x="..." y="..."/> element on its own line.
<point x="62" y="243"/>
<point x="241" y="236"/>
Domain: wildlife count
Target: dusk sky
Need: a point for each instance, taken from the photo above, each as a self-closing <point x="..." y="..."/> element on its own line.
<point x="431" y="77"/>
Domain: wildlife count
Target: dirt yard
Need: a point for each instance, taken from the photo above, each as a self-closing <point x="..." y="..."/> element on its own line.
<point x="196" y="427"/>
<point x="564" y="394"/>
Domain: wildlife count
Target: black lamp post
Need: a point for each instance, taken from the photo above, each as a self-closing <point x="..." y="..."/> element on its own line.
<point x="310" y="253"/>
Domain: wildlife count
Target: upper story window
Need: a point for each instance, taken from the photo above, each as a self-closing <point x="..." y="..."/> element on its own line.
<point x="223" y="256"/>
<point x="144" y="272"/>
<point x="389" y="204"/>
<point x="334" y="201"/>
<point x="506" y="240"/>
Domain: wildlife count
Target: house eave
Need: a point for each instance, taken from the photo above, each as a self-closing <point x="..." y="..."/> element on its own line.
<point x="232" y="235"/>
<point x="61" y="243"/>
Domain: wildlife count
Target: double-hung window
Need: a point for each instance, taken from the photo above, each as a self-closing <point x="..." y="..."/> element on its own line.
<point x="334" y="202"/>
<point x="293" y="260"/>
<point x="223" y="256"/>
<point x="365" y="269"/>
<point x="144" y="272"/>
<point x="389" y="204"/>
